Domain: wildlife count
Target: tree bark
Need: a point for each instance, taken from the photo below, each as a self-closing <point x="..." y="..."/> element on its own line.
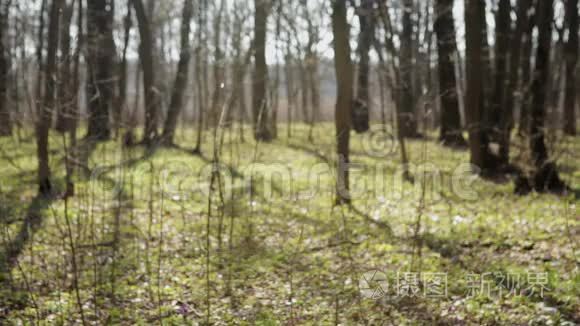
<point x="66" y="94"/>
<point x="101" y="58"/>
<point x="473" y="57"/>
<point x="122" y="95"/>
<point x="541" y="78"/>
<point x="181" y="77"/>
<point x="5" y="117"/>
<point x="526" y="68"/>
<point x="407" y="119"/>
<point x="507" y="120"/>
<point x="147" y="65"/>
<point x="571" y="50"/>
<point x="545" y="177"/>
<point x="344" y="77"/>
<point x="45" y="114"/>
<point x="260" y="80"/>
<point x="451" y="134"/>
<point x="361" y="109"/>
<point x="502" y="37"/>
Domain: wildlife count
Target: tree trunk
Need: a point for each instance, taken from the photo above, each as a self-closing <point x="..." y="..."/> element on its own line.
<point x="545" y="176"/>
<point x="65" y="95"/>
<point x="176" y="104"/>
<point x="259" y="100"/>
<point x="147" y="65"/>
<point x="45" y="114"/>
<point x="473" y="57"/>
<point x="407" y="119"/>
<point x="502" y="37"/>
<point x="122" y="96"/>
<point x="362" y="107"/>
<point x="507" y="114"/>
<point x="526" y="67"/>
<point x="451" y="134"/>
<point x="5" y="118"/>
<point x="101" y="58"/>
<point x="344" y="78"/>
<point x="541" y="77"/>
<point x="571" y="50"/>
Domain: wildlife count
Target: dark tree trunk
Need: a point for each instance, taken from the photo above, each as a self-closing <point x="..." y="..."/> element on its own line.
<point x="407" y="119"/>
<point x="362" y="107"/>
<point x="473" y="58"/>
<point x="571" y="51"/>
<point x="526" y="68"/>
<point x="5" y="118"/>
<point x="502" y="36"/>
<point x="545" y="176"/>
<point x="122" y="95"/>
<point x="66" y="94"/>
<point x="451" y="134"/>
<point x="45" y="114"/>
<point x="147" y="65"/>
<point x="100" y="58"/>
<point x="344" y="77"/>
<point x="260" y="80"/>
<point x="541" y="78"/>
<point x="176" y="104"/>
<point x="507" y="114"/>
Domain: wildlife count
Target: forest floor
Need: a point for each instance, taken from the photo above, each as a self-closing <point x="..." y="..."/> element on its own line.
<point x="132" y="246"/>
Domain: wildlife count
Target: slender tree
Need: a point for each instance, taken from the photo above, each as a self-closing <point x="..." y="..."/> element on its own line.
<point x="46" y="110"/>
<point x="5" y="118"/>
<point x="507" y="114"/>
<point x="101" y="58"/>
<point x="344" y="77"/>
<point x="526" y="70"/>
<point x="473" y="57"/>
<point x="260" y="79"/>
<point x="571" y="49"/>
<point x="451" y="134"/>
<point x="147" y="65"/>
<point x="360" y="114"/>
<point x="502" y="37"/>
<point x="180" y="83"/>
<point x="545" y="176"/>
<point x="121" y="102"/>
<point x="66" y="96"/>
<point x="407" y="119"/>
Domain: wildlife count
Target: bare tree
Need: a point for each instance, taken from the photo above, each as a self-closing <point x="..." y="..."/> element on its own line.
<point x="344" y="77"/>
<point x="260" y="81"/>
<point x="545" y="176"/>
<point x="507" y="120"/>
<point x="473" y="58"/>
<point x="45" y="114"/>
<point x="101" y="58"/>
<point x="407" y="119"/>
<point x="451" y="134"/>
<point x="571" y="49"/>
<point x="146" y="50"/>
<point x="360" y="117"/>
<point x="5" y="118"/>
<point x="502" y="36"/>
<point x="176" y="104"/>
<point x="66" y="94"/>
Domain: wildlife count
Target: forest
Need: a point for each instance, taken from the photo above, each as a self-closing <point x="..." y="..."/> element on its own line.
<point x="289" y="162"/>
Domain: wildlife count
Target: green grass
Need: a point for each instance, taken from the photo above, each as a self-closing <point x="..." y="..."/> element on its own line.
<point x="292" y="257"/>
